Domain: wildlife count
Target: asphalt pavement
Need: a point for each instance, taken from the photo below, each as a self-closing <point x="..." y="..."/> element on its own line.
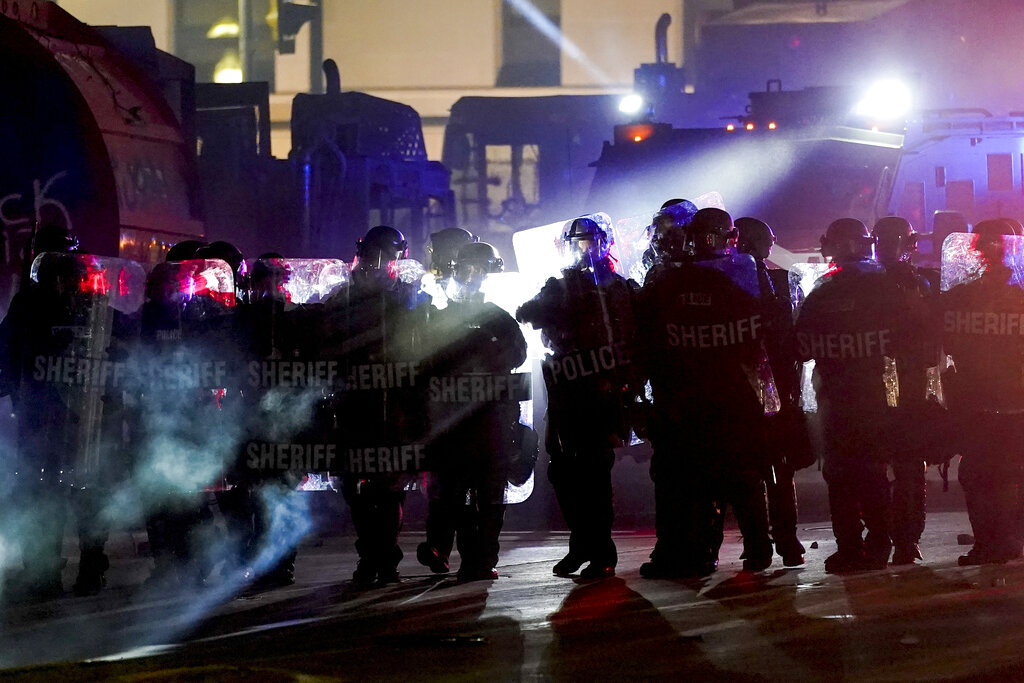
<point x="934" y="620"/>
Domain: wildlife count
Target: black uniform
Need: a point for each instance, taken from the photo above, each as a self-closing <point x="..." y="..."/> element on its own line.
<point x="703" y="345"/>
<point x="981" y="330"/>
<point x="909" y="464"/>
<point x="853" y="325"/>
<point x="70" y="448"/>
<point x="267" y="332"/>
<point x="471" y="432"/>
<point x="586" y="316"/>
<point x="188" y="428"/>
<point x="783" y="457"/>
<point x="32" y="484"/>
<point x="371" y="328"/>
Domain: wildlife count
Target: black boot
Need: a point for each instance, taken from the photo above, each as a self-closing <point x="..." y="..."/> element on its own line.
<point x="91" y="569"/>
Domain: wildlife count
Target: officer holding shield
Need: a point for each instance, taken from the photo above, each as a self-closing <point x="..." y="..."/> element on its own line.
<point x="853" y="324"/>
<point x="703" y="325"/>
<point x="981" y="329"/>
<point x="896" y="241"/>
<point x="472" y="343"/>
<point x="375" y="325"/>
<point x="786" y="449"/>
<point x="586" y="317"/>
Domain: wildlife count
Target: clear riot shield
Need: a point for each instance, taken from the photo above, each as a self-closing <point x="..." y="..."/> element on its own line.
<point x="742" y="271"/>
<point x="803" y="278"/>
<point x="368" y="337"/>
<point x="79" y="373"/>
<point x="505" y="291"/>
<point x="540" y="254"/>
<point x="962" y="261"/>
<point x="285" y="381"/>
<point x="983" y="319"/>
<point x="185" y="368"/>
<point x="633" y="238"/>
<point x="297" y="281"/>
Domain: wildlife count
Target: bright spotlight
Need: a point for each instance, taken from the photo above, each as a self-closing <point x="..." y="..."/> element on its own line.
<point x="885" y="100"/>
<point x="631" y="103"/>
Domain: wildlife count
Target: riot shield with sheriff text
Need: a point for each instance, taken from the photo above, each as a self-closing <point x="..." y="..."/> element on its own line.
<point x="373" y="330"/>
<point x="982" y="311"/>
<point x="286" y="382"/>
<point x="185" y="368"/>
<point x="481" y="380"/>
<point x="73" y="388"/>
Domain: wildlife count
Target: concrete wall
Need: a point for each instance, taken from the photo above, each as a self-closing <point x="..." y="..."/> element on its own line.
<point x="421" y="43"/>
<point x="157" y="14"/>
<point x="614" y="37"/>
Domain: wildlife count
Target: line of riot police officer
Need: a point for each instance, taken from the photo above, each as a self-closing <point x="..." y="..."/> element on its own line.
<point x="711" y="334"/>
<point x="238" y="391"/>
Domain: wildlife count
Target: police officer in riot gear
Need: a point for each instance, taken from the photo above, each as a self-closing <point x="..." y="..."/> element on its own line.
<point x="267" y="328"/>
<point x="896" y="241"/>
<point x="35" y="312"/>
<point x="471" y="440"/>
<point x="37" y="499"/>
<point x="378" y="319"/>
<point x="444" y="247"/>
<point x="183" y="326"/>
<point x="985" y="394"/>
<point x="853" y="324"/>
<point x="755" y="237"/>
<point x="586" y="316"/>
<point x="667" y="233"/>
<point x="707" y="411"/>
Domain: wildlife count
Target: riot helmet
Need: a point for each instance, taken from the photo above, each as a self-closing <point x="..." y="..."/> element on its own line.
<point x="443" y="248"/>
<point x="712" y="233"/>
<point x="895" y="240"/>
<point x="184" y="250"/>
<point x="270" y="273"/>
<point x="54" y="238"/>
<point x="586" y="242"/>
<point x="163" y="285"/>
<point x="225" y="251"/>
<point x="380" y="245"/>
<point x="998" y="226"/>
<point x="376" y="254"/>
<point x="755" y="237"/>
<point x="667" y="231"/>
<point x="846" y="240"/>
<point x="989" y="241"/>
<point x="474" y="262"/>
<point x="61" y="275"/>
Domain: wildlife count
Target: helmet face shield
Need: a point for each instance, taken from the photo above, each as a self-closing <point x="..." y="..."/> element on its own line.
<point x="471" y="274"/>
<point x="711" y="233"/>
<point x="472" y="265"/>
<point x="586" y="241"/>
<point x="377" y="255"/>
<point x="847" y="239"/>
<point x="895" y="239"/>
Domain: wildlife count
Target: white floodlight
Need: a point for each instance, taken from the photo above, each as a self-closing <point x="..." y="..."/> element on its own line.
<point x="631" y="103"/>
<point x="885" y="100"/>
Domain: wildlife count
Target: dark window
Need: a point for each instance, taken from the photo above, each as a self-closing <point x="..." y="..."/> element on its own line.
<point x="528" y="56"/>
<point x="198" y="42"/>
<point x="960" y="196"/>
<point x="912" y="204"/>
<point x="1000" y="173"/>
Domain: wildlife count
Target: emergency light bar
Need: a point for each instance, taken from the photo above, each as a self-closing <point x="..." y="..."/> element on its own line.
<point x="638" y="132"/>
